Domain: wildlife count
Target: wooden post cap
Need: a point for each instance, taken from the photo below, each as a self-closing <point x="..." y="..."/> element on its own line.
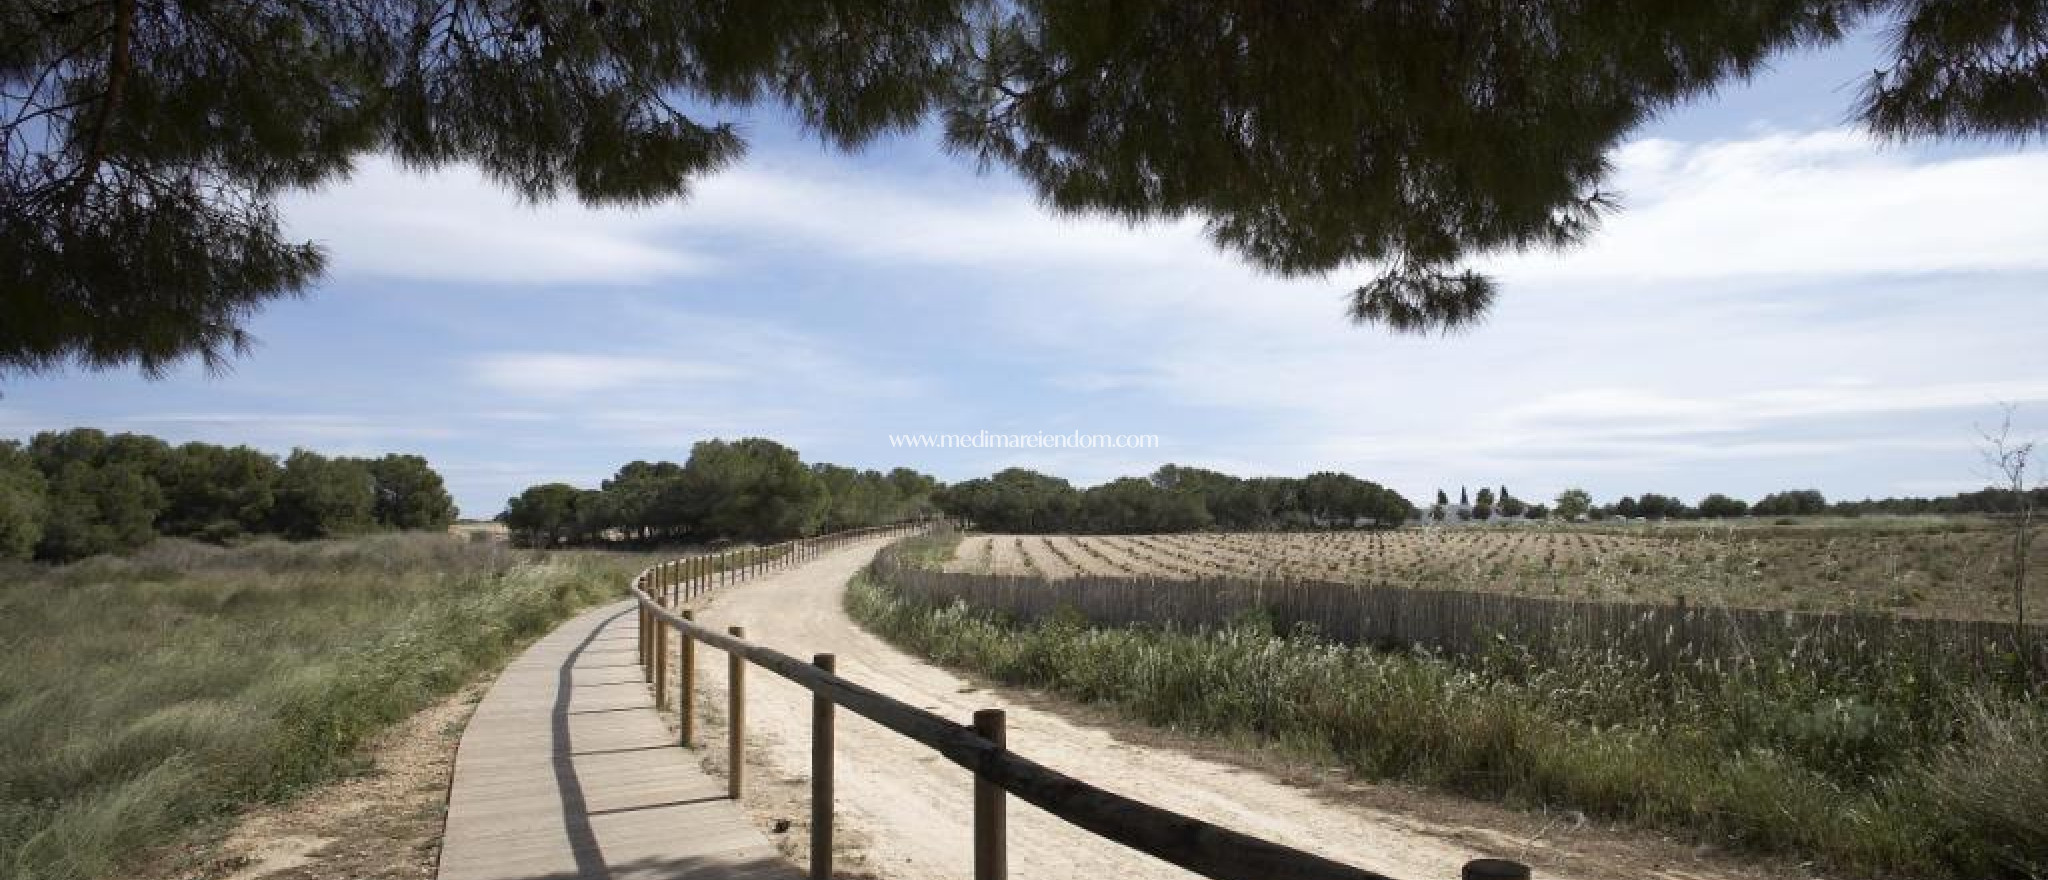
<point x="1494" y="869"/>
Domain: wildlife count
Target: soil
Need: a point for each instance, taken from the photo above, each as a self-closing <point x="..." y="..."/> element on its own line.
<point x="382" y="823"/>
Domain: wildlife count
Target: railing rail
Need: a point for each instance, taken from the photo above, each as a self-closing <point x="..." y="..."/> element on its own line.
<point x="1198" y="846"/>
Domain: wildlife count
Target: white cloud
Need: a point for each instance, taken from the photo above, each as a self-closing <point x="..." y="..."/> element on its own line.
<point x="555" y="374"/>
<point x="452" y="225"/>
<point x="1819" y="204"/>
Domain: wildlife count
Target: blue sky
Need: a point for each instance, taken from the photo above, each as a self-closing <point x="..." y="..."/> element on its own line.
<point x="1782" y="303"/>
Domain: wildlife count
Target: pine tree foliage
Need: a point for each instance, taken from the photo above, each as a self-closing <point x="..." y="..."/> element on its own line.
<point x="146" y="140"/>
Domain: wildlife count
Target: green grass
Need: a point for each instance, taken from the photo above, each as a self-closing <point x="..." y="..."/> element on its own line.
<point x="1868" y="768"/>
<point x="142" y="697"/>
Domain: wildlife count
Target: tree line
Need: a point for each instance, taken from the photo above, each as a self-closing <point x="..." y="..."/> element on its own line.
<point x="1486" y="505"/>
<point x="751" y="489"/>
<point x="1576" y="504"/>
<point x="70" y="494"/>
<point x="1173" y="499"/>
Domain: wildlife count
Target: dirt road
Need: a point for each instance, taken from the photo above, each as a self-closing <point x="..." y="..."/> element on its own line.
<point x="911" y="810"/>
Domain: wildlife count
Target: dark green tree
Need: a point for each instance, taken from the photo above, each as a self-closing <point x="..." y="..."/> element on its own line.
<point x="1573" y="504"/>
<point x="216" y="492"/>
<point x="1655" y="506"/>
<point x="543" y="515"/>
<point x="319" y="497"/>
<point x="1798" y="502"/>
<point x="103" y="494"/>
<point x="1719" y="506"/>
<point x="1131" y="505"/>
<point x="1512" y="506"/>
<point x="24" y="503"/>
<point x="409" y="494"/>
<point x="146" y="140"/>
<point x="752" y="488"/>
<point x="1482" y="506"/>
<point x="108" y="508"/>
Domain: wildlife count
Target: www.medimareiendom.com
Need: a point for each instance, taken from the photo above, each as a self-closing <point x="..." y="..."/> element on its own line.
<point x="988" y="440"/>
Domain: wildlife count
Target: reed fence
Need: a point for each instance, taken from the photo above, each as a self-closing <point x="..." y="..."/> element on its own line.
<point x="1469" y="622"/>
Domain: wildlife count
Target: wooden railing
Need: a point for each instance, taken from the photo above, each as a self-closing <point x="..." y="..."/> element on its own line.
<point x="1201" y="847"/>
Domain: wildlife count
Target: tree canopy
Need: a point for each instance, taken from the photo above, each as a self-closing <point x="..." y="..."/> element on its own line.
<point x="146" y="140"/>
<point x="1173" y="499"/>
<point x="752" y="488"/>
<point x="70" y="494"/>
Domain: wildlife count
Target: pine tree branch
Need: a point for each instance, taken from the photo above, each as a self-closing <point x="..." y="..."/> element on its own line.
<point x="119" y="64"/>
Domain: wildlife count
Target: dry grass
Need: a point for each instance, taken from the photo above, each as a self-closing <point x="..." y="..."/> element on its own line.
<point x="143" y="697"/>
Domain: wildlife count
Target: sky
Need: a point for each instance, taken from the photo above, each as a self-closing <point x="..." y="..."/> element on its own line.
<point x="1781" y="303"/>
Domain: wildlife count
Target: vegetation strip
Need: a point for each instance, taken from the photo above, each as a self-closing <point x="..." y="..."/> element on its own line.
<point x="144" y="696"/>
<point x="1870" y="768"/>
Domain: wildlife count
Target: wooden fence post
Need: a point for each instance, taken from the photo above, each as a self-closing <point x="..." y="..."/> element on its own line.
<point x="686" y="684"/>
<point x="991" y="825"/>
<point x="736" y="717"/>
<point x="646" y="667"/>
<point x="660" y="665"/>
<point x="821" y="777"/>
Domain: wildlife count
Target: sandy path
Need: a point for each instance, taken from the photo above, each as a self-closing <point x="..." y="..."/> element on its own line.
<point x="913" y="808"/>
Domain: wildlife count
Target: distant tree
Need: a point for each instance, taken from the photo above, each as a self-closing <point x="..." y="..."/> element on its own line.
<point x="544" y="515"/>
<point x="1015" y="500"/>
<point x="1625" y="507"/>
<point x="1132" y="505"/>
<point x="107" y="509"/>
<point x="752" y="488"/>
<point x="1803" y="502"/>
<point x="409" y="494"/>
<point x="1512" y="506"/>
<point x="320" y="497"/>
<point x="103" y="496"/>
<point x="1342" y="499"/>
<point x="1442" y="500"/>
<point x="1463" y="499"/>
<point x="1482" y="507"/>
<point x="1537" y="512"/>
<point x="1719" y="506"/>
<point x="1655" y="506"/>
<point x="24" y="503"/>
<point x="216" y="492"/>
<point x="1573" y="504"/>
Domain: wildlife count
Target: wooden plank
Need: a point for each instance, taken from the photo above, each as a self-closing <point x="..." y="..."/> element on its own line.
<point x="564" y="774"/>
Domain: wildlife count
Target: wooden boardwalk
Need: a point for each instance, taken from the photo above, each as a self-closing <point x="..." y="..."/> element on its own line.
<point x="566" y="773"/>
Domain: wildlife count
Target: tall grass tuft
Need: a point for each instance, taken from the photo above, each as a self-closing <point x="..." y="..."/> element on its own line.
<point x="1870" y="769"/>
<point x="143" y="695"/>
